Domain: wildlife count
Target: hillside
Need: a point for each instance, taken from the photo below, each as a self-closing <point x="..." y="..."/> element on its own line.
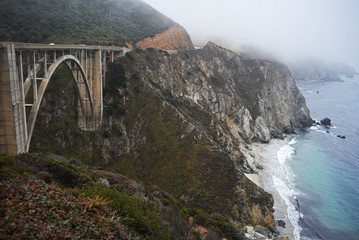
<point x="47" y="198"/>
<point x="103" y="22"/>
<point x="181" y="122"/>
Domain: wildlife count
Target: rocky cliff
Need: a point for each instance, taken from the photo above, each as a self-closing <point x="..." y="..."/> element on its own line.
<point x="181" y="121"/>
<point x="174" y="38"/>
<point x="237" y="99"/>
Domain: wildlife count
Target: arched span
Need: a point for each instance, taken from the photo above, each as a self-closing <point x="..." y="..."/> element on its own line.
<point x="84" y="96"/>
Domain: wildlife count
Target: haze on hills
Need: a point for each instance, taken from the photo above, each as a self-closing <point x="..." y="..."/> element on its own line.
<point x="289" y="29"/>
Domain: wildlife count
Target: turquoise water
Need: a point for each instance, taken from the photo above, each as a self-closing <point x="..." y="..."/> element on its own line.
<point x="325" y="168"/>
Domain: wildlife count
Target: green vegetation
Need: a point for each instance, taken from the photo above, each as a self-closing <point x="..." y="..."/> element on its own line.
<point x="49" y="213"/>
<point x="91" y="211"/>
<point x="85" y="209"/>
<point x="138" y="214"/>
<point x="63" y="172"/>
<point x="80" y="21"/>
<point x="218" y="223"/>
<point x="31" y="208"/>
<point x="8" y="170"/>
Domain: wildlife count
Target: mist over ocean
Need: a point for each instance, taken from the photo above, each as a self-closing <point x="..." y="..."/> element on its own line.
<point x="315" y="172"/>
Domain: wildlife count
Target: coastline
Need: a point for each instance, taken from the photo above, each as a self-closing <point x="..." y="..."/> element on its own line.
<point x="264" y="179"/>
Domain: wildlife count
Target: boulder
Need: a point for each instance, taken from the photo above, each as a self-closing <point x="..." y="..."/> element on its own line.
<point x="314" y="122"/>
<point x="262" y="230"/>
<point x="326" y="122"/>
<point x="281" y="223"/>
<point x="340" y="136"/>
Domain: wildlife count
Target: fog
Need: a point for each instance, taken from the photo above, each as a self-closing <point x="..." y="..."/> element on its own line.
<point x="328" y="29"/>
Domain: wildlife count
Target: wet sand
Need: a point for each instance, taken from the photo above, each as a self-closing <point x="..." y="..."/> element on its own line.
<point x="264" y="179"/>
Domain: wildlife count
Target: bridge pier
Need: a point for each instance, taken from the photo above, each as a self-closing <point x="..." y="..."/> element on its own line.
<point x="88" y="67"/>
<point x="12" y="122"/>
<point x="97" y="84"/>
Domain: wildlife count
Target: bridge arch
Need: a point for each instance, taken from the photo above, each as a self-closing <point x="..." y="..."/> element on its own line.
<point x="88" y="66"/>
<point x="86" y="113"/>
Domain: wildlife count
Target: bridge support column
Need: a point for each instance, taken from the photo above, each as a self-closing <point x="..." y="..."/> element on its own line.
<point x="97" y="85"/>
<point x="12" y="122"/>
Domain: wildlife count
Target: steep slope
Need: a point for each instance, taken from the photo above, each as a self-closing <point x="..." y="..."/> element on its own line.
<point x="80" y="21"/>
<point x="234" y="99"/>
<point x="181" y="122"/>
<point x="46" y="198"/>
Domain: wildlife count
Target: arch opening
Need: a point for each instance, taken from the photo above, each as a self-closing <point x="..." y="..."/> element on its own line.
<point x="85" y="109"/>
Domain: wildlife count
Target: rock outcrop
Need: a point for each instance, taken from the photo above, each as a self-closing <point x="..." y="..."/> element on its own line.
<point x="174" y="38"/>
<point x="326" y="122"/>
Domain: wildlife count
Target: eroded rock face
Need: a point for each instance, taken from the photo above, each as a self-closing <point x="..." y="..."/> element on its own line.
<point x="246" y="99"/>
<point x="175" y="38"/>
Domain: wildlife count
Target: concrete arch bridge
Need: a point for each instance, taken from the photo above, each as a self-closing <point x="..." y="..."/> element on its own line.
<point x="25" y="71"/>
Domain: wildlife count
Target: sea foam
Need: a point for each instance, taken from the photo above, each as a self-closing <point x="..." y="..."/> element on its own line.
<point x="283" y="181"/>
<point x="284" y="153"/>
<point x="287" y="194"/>
<point x="277" y="157"/>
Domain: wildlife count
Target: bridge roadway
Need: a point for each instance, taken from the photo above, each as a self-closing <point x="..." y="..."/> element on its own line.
<point x="28" y="67"/>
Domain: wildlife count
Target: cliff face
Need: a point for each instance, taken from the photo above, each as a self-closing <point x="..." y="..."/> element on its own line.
<point x="174" y="38"/>
<point x="239" y="99"/>
<point x="181" y="122"/>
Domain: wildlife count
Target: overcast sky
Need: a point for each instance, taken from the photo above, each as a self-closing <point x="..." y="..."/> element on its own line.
<point x="323" y="28"/>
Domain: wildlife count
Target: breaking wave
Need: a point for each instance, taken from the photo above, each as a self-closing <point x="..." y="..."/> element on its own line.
<point x="281" y="151"/>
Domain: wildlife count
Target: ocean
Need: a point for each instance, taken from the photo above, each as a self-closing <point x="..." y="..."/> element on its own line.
<point x="315" y="174"/>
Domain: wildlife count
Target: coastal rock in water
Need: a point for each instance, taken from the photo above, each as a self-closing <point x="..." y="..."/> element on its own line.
<point x="315" y="123"/>
<point x="340" y="136"/>
<point x="326" y="122"/>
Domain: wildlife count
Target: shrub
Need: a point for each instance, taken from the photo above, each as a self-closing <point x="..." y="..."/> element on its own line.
<point x="140" y="215"/>
<point x="46" y="176"/>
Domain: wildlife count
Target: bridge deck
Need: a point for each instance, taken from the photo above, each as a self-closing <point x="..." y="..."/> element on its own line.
<point x="39" y="46"/>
